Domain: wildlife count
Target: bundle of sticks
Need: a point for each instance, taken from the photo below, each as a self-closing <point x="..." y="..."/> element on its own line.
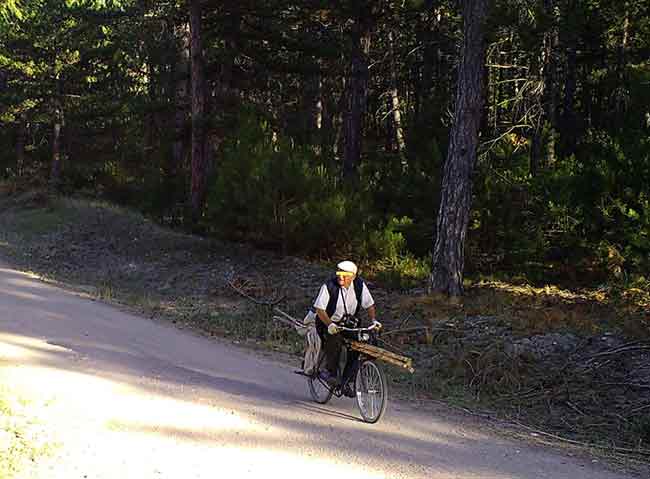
<point x="289" y="320"/>
<point x="368" y="349"/>
<point x="383" y="355"/>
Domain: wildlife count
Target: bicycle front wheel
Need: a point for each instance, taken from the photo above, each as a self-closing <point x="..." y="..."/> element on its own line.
<point x="372" y="391"/>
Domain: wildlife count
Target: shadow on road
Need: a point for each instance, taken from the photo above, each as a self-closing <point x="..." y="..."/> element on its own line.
<point x="47" y="329"/>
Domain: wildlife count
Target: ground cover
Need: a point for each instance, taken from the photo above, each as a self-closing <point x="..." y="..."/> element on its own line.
<point x="565" y="365"/>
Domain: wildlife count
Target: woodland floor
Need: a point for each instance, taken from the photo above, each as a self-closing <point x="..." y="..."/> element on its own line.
<point x="563" y="366"/>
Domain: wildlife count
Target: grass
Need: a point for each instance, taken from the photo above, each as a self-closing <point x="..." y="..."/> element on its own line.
<point x="243" y="327"/>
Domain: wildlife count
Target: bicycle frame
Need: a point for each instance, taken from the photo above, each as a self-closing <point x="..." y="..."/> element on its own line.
<point x="363" y="334"/>
<point x="366" y="381"/>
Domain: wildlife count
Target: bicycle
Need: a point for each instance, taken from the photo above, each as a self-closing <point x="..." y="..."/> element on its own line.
<point x="369" y="382"/>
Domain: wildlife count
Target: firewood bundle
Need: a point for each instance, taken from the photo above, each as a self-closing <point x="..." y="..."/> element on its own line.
<point x="375" y="352"/>
<point x="383" y="354"/>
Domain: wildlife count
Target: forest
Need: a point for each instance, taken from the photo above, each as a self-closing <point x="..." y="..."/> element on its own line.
<point x="431" y="140"/>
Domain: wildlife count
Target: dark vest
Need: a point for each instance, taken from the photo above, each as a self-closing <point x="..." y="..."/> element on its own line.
<point x="334" y="290"/>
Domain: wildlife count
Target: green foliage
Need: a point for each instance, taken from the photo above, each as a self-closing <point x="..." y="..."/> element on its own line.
<point x="282" y="196"/>
<point x="8" y="9"/>
<point x="268" y="191"/>
<point x="114" y="66"/>
<point x="411" y="193"/>
<point x="402" y="272"/>
<point x="97" y="4"/>
<point x="614" y="197"/>
<point x="590" y="210"/>
<point x="389" y="242"/>
<point x="393" y="264"/>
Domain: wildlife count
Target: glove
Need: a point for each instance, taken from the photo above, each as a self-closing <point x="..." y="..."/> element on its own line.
<point x="376" y="324"/>
<point x="333" y="328"/>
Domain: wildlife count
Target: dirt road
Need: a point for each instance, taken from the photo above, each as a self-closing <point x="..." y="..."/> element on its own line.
<point x="127" y="397"/>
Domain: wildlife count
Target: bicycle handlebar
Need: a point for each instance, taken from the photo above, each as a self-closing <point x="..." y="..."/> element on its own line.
<point x="372" y="327"/>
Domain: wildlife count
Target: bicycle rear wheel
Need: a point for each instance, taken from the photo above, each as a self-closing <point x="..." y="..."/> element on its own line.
<point x="319" y="389"/>
<point x="372" y="391"/>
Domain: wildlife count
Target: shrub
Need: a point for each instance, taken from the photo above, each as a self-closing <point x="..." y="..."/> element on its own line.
<point x="278" y="195"/>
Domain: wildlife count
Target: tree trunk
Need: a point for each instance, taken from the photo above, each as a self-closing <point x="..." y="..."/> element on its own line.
<point x="550" y="76"/>
<point x="199" y="157"/>
<point x="455" y="202"/>
<point x="149" y="133"/>
<point x="57" y="155"/>
<point x="395" y="106"/>
<point x="569" y="127"/>
<point x="223" y="101"/>
<point x="621" y="91"/>
<point x="357" y="98"/>
<point x="310" y="114"/>
<point x="536" y="149"/>
<point x="318" y="107"/>
<point x="21" y="140"/>
<point x="339" y="120"/>
<point x="226" y="92"/>
<point x="181" y="94"/>
<point x="544" y="136"/>
<point x="327" y="118"/>
<point x="491" y="100"/>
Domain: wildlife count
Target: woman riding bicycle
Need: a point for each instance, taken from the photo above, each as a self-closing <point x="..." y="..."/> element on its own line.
<point x="338" y="302"/>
